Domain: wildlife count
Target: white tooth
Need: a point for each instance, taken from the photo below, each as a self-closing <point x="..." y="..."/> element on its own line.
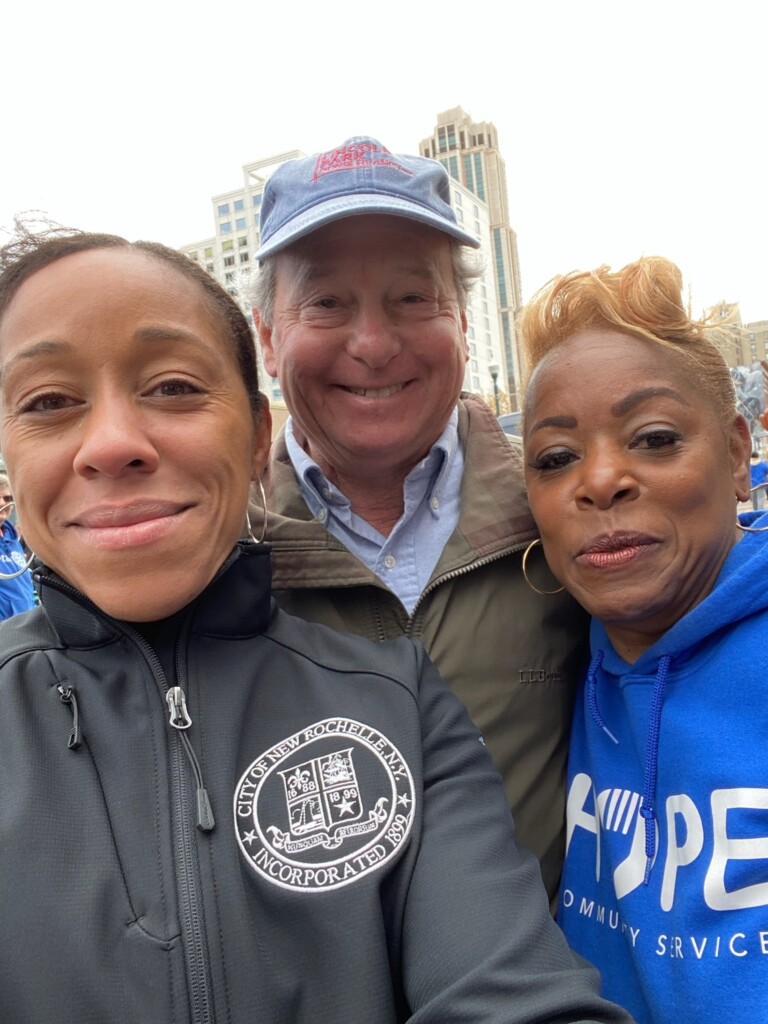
<point x="377" y="392"/>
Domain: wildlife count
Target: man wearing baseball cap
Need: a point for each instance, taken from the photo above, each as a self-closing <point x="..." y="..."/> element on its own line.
<point x="396" y="502"/>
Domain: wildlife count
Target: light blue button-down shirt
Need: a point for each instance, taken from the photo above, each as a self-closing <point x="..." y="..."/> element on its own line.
<point x="404" y="560"/>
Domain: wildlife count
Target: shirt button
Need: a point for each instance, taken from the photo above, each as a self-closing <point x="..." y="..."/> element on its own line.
<point x="435" y="503"/>
<point x="322" y="515"/>
<point x="390" y="561"/>
<point x="326" y="492"/>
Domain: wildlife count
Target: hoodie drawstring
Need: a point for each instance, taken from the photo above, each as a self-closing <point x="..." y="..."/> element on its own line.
<point x="594" y="710"/>
<point x="647" y="809"/>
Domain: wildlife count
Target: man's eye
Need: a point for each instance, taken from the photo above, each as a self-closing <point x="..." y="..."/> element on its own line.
<point x="327" y="303"/>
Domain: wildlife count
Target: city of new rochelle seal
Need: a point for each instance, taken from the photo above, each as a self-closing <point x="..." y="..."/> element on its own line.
<point x="324" y="807"/>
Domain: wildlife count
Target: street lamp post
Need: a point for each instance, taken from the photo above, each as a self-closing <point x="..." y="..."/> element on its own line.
<point x="493" y="369"/>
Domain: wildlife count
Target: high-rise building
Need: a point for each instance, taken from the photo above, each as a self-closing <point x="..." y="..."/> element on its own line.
<point x="469" y="152"/>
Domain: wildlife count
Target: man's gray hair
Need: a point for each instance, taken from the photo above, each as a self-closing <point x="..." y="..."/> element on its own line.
<point x="468" y="266"/>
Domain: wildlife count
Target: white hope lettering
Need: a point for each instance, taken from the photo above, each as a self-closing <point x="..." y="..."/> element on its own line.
<point x="685" y="833"/>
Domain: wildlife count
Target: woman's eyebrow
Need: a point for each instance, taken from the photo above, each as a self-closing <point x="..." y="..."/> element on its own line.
<point x="44" y="347"/>
<point x="567" y="422"/>
<point x="626" y="404"/>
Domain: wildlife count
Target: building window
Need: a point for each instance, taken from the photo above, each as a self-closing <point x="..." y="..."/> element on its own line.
<point x="228" y="246"/>
<point x="479" y="177"/>
<point x="242" y="242"/>
<point x="238" y="204"/>
<point x="229" y="277"/>
<point x="476" y="384"/>
<point x="243" y="257"/>
<point x="257" y="200"/>
<point x="208" y="253"/>
<point x="229" y="261"/>
<point x="223" y="210"/>
<point x="474" y="366"/>
<point x="225" y="227"/>
<point x="209" y="267"/>
<point x="240" y="223"/>
<point x="472" y="348"/>
<point x="460" y="216"/>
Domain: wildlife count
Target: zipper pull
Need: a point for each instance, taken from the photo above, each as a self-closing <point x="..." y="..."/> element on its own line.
<point x="177" y="706"/>
<point x="67" y="696"/>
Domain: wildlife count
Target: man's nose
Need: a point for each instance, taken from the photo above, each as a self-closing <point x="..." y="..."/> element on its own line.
<point x="115" y="438"/>
<point x="374" y="338"/>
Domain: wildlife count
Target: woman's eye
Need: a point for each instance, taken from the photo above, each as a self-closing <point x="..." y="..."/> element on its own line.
<point x="175" y="388"/>
<point x="655" y="439"/>
<point x="553" y="460"/>
<point x="50" y="402"/>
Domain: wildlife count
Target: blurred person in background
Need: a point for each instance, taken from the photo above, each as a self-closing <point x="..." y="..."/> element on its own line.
<point x="636" y="460"/>
<point x="17" y="593"/>
<point x="758" y="472"/>
<point x="397" y="505"/>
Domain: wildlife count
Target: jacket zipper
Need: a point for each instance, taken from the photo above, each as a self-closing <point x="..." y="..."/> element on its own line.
<point x="181" y="755"/>
<point x="67" y="695"/>
<point x="190" y="902"/>
<point x="413" y="619"/>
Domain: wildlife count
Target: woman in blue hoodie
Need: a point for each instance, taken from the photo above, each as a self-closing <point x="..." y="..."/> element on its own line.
<point x="16" y="591"/>
<point x="635" y="461"/>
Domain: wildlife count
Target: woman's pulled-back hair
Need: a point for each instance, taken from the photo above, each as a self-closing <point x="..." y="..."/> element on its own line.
<point x="30" y="250"/>
<point x="644" y="299"/>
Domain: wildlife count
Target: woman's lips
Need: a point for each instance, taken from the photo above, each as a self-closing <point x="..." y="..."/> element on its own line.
<point x="614" y="549"/>
<point x="112" y="528"/>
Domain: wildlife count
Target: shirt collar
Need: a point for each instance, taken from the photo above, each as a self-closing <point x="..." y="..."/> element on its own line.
<point x="321" y="494"/>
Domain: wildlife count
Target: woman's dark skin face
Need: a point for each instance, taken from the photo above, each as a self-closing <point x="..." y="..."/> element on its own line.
<point x="127" y="427"/>
<point x="633" y="480"/>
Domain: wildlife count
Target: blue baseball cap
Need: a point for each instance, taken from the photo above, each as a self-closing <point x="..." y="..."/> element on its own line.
<point x="359" y="176"/>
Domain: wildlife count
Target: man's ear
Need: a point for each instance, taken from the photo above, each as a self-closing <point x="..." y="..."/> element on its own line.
<point x="740" y="449"/>
<point x="264" y="334"/>
<point x="262" y="439"/>
<point x="464" y="328"/>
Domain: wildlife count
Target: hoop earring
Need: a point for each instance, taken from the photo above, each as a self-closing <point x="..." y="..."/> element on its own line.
<point x="30" y="560"/>
<point x="259" y="540"/>
<point x="527" y="552"/>
<point x="750" y="529"/>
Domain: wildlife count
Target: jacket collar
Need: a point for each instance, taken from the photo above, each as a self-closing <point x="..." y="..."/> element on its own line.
<point x="236" y="603"/>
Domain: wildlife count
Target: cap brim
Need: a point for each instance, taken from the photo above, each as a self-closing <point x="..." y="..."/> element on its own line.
<point x="350" y="206"/>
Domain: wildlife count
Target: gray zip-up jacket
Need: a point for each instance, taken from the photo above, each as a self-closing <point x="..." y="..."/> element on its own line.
<point x="326" y="842"/>
<point x="514" y="657"/>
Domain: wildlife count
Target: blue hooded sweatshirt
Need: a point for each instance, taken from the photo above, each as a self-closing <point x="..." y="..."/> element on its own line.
<point x="665" y="886"/>
<point x="15" y="595"/>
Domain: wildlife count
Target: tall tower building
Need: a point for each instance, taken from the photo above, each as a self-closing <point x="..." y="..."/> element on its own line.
<point x="469" y="152"/>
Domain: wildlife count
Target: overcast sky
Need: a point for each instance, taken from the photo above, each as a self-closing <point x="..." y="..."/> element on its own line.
<point x="627" y="128"/>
